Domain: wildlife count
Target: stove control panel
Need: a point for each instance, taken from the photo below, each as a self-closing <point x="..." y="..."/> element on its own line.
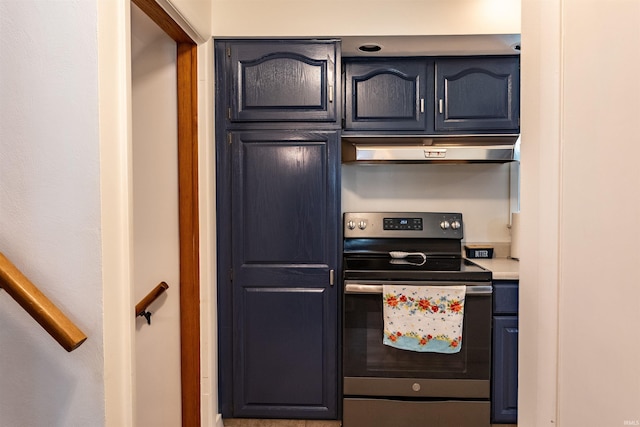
<point x="402" y="224"/>
<point x="434" y="225"/>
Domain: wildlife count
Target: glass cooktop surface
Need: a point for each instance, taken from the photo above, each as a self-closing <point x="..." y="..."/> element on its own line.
<point x="413" y="268"/>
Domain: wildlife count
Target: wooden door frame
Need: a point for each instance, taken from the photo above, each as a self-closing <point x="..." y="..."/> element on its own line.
<point x="187" y="93"/>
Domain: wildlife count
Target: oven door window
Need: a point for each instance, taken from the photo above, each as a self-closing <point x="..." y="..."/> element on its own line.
<point x="366" y="356"/>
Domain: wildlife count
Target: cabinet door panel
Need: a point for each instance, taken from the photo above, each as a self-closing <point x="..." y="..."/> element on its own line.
<point x="504" y="399"/>
<point x="280" y="357"/>
<point x="285" y="187"/>
<point x="386" y="95"/>
<point x="284" y="242"/>
<point x="284" y="81"/>
<point x="477" y="94"/>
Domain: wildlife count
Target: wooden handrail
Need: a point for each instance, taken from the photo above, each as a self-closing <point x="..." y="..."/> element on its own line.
<point x="141" y="307"/>
<point x="39" y="306"/>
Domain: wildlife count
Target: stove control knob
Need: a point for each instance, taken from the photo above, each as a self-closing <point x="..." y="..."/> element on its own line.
<point x="444" y="225"/>
<point x="362" y="225"/>
<point x="455" y="224"/>
<point x="351" y="224"/>
<point x="415" y="387"/>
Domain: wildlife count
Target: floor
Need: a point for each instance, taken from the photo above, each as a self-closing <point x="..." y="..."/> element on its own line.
<point x="238" y="422"/>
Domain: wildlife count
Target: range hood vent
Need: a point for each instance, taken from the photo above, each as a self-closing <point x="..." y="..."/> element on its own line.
<point x="458" y="149"/>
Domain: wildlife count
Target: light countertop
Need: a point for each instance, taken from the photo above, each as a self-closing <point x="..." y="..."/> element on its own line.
<point x="501" y="268"/>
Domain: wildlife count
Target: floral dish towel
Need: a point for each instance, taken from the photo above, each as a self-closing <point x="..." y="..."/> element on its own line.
<point x="423" y="318"/>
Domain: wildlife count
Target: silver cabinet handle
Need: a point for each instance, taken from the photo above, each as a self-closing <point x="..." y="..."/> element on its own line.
<point x="422" y="105"/>
<point x="440" y="106"/>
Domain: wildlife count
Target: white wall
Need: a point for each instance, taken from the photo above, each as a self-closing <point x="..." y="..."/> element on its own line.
<point x="539" y="222"/>
<point x="579" y="270"/>
<point x="50" y="209"/>
<point x="595" y="190"/>
<point x="156" y="252"/>
<point x="258" y="18"/>
<point x="481" y="192"/>
<point x="57" y="164"/>
<point x="206" y="195"/>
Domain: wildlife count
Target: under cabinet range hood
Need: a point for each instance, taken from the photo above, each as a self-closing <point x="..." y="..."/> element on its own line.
<point x="448" y="149"/>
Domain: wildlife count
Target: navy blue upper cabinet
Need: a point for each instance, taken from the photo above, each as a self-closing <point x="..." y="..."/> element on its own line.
<point x="478" y="94"/>
<point x="387" y="95"/>
<point x="283" y="81"/>
<point x="432" y="95"/>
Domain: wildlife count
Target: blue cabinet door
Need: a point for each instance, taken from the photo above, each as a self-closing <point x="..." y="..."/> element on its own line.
<point x="480" y="94"/>
<point x="504" y="386"/>
<point x="282" y="80"/>
<point x="387" y="95"/>
<point x="284" y="243"/>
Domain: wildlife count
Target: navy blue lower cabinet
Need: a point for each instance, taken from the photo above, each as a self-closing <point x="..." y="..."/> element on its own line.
<point x="280" y="298"/>
<point x="504" y="381"/>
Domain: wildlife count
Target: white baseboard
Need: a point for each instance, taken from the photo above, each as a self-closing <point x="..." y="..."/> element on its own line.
<point x="219" y="422"/>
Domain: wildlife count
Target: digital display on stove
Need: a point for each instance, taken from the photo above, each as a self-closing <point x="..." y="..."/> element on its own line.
<point x="402" y="224"/>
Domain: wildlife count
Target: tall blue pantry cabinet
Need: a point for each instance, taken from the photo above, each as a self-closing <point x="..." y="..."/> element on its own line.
<point x="278" y="210"/>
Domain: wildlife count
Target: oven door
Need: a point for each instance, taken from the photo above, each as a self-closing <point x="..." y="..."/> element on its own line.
<point x="374" y="369"/>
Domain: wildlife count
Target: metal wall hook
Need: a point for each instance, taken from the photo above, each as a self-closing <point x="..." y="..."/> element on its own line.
<point x="146" y="315"/>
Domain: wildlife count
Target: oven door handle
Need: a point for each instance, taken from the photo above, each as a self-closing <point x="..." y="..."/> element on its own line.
<point x="358" y="288"/>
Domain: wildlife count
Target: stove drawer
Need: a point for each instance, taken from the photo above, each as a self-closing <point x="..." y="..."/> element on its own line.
<point x="361" y="412"/>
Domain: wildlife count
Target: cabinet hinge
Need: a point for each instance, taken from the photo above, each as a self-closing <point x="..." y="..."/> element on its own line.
<point x="229" y="113"/>
<point x="331" y="277"/>
<point x="228" y="51"/>
<point x="229" y="138"/>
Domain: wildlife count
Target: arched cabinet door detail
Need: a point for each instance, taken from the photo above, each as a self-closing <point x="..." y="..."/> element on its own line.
<point x="283" y="81"/>
<point x="386" y="95"/>
<point x="481" y="94"/>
